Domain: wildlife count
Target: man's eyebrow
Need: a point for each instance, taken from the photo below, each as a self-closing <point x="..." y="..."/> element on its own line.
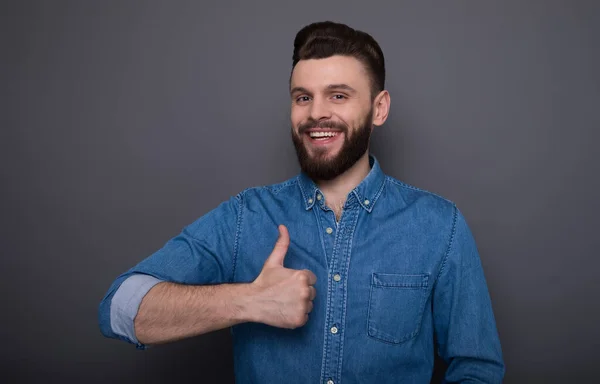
<point x="330" y="87"/>
<point x="299" y="90"/>
<point x="341" y="86"/>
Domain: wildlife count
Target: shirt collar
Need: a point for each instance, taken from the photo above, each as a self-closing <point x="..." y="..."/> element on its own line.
<point x="366" y="193"/>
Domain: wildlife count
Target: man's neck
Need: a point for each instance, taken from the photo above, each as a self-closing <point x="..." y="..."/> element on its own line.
<point x="337" y="190"/>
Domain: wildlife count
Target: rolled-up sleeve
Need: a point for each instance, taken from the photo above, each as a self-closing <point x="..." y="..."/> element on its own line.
<point x="465" y="327"/>
<point x="126" y="302"/>
<point x="203" y="253"/>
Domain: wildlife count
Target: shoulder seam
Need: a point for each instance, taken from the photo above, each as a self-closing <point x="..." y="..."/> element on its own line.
<point x="275" y="188"/>
<point x="238" y="229"/>
<point x="408" y="186"/>
<point x="450" y="242"/>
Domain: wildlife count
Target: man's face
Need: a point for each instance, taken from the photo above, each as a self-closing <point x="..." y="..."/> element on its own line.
<point x="332" y="114"/>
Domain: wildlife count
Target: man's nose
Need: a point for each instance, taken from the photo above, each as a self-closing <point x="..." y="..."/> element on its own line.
<point x="320" y="109"/>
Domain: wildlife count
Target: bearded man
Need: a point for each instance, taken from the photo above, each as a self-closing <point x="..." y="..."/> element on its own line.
<point x="341" y="274"/>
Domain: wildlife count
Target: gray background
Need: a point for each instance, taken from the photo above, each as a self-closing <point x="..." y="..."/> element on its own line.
<point x="123" y="121"/>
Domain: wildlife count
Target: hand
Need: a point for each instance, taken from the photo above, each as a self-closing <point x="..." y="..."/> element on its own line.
<point x="284" y="296"/>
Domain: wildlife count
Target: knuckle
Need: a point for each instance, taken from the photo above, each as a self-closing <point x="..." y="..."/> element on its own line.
<point x="294" y="323"/>
<point x="305" y="293"/>
<point x="300" y="320"/>
<point x="302" y="277"/>
<point x="291" y="325"/>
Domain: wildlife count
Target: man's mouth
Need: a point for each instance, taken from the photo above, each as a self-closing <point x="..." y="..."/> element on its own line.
<point x="322" y="135"/>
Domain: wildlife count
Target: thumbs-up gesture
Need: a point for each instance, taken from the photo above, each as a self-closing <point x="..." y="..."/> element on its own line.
<point x="283" y="296"/>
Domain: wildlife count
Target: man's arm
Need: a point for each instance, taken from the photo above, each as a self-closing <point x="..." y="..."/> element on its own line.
<point x="464" y="321"/>
<point x="204" y="253"/>
<point x="279" y="297"/>
<point x="172" y="312"/>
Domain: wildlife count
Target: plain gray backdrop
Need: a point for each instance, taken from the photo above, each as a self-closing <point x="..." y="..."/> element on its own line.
<point x="124" y="121"/>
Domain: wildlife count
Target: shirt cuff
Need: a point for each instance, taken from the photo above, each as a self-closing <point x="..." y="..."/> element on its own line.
<point x="126" y="302"/>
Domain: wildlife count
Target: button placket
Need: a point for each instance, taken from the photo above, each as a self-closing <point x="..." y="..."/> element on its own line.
<point x="338" y="236"/>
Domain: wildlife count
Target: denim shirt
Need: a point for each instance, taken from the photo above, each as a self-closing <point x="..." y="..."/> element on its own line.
<point x="399" y="279"/>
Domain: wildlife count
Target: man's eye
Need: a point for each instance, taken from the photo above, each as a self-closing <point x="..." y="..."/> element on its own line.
<point x="302" y="99"/>
<point x="339" y="97"/>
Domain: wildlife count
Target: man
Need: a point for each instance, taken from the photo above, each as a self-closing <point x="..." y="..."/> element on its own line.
<point x="339" y="275"/>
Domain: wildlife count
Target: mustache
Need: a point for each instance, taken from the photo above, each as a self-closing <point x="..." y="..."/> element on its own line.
<point x="312" y="123"/>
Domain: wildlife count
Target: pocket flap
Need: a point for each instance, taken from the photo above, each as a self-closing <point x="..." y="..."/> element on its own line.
<point x="400" y="281"/>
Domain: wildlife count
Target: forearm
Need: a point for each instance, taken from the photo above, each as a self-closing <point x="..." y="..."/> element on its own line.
<point x="172" y="312"/>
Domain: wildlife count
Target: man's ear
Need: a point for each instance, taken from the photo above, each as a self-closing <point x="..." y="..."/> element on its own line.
<point x="381" y="108"/>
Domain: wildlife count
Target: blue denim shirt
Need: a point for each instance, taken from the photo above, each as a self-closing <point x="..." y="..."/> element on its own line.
<point x="398" y="279"/>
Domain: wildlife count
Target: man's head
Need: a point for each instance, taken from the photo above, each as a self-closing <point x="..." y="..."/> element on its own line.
<point x="337" y="92"/>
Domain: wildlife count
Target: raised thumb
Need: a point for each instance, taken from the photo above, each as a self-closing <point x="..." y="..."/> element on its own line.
<point x="280" y="249"/>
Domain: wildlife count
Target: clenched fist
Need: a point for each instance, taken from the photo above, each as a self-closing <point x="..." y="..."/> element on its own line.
<point x="284" y="296"/>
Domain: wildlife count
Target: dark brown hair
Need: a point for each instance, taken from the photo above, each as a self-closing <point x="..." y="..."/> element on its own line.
<point x="325" y="39"/>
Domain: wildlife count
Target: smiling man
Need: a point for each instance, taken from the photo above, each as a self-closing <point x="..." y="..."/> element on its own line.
<point x="341" y="274"/>
<point x="335" y="104"/>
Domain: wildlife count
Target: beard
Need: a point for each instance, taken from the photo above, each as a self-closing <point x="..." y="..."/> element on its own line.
<point x="319" y="166"/>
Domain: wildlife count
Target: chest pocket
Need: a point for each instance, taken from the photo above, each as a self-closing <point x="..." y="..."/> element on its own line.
<point x="396" y="306"/>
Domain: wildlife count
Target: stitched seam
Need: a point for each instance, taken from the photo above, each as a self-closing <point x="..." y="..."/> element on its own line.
<point x="421" y="275"/>
<point x="410" y="286"/>
<point x="379" y="192"/>
<point x="325" y="331"/>
<point x="304" y="195"/>
<point x="238" y="229"/>
<point x="370" y="306"/>
<point x="378" y="334"/>
<point x="345" y="300"/>
<point x="330" y="287"/>
<point x="279" y="187"/>
<point x="407" y="186"/>
<point x="450" y="243"/>
<point x="274" y="188"/>
<point x="423" y="281"/>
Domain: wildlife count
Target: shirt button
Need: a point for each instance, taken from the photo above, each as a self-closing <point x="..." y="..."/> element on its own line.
<point x="337" y="277"/>
<point x="330" y="382"/>
<point x="319" y="197"/>
<point x="329" y="231"/>
<point x="367" y="202"/>
<point x="310" y="201"/>
<point x="334" y="330"/>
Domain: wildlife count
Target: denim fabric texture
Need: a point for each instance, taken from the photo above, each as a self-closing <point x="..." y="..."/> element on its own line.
<point x="399" y="279"/>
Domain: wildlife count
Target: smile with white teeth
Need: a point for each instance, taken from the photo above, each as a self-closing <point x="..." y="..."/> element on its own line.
<point x="322" y="135"/>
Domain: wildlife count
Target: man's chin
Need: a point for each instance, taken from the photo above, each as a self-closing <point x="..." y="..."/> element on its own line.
<point x="322" y="156"/>
<point x="322" y="161"/>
